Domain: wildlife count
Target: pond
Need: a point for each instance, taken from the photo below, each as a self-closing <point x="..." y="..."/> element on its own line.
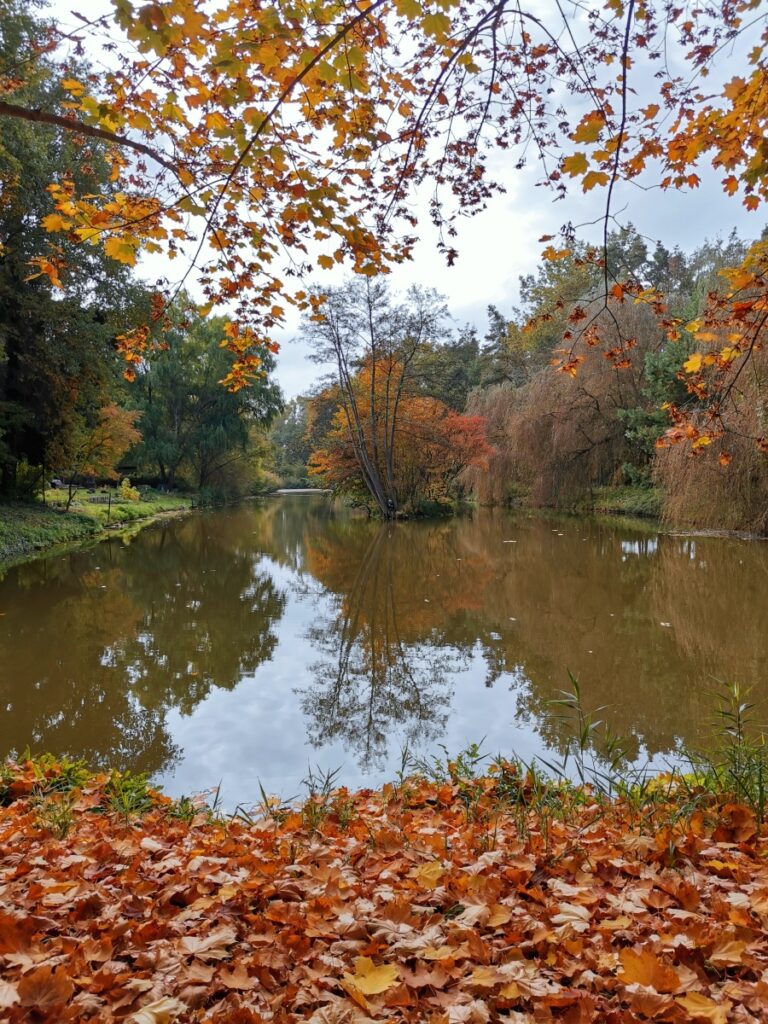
<point x="244" y="644"/>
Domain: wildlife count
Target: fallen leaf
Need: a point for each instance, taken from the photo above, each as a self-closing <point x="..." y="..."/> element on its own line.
<point x="702" y="1008"/>
<point x="645" y="968"/>
<point x="45" y="988"/>
<point x="370" y="979"/>
<point x="161" y="1011"/>
<point x="429" y="875"/>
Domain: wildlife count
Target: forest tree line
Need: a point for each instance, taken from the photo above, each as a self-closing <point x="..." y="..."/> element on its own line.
<point x="66" y="409"/>
<point x="529" y="432"/>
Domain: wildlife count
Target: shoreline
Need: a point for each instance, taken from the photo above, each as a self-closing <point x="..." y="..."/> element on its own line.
<point x="84" y="534"/>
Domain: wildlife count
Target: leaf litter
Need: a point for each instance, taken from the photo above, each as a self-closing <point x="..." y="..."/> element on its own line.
<point x="426" y="901"/>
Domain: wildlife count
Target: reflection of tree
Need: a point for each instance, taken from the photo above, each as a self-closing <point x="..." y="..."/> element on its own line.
<point x="646" y="623"/>
<point x="96" y="647"/>
<point x="373" y="677"/>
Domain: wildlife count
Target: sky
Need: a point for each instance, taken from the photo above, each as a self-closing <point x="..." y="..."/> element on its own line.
<point x="501" y="243"/>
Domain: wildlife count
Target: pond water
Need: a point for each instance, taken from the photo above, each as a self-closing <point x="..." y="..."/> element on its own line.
<point x="244" y="644"/>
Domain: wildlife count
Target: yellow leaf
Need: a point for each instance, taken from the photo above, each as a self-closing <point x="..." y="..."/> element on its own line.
<point x="734" y="88"/>
<point x="369" y="979"/>
<point x="552" y="255"/>
<point x="575" y="165"/>
<point x="55" y="222"/>
<point x="325" y="261"/>
<point x="408" y="8"/>
<point x="486" y="977"/>
<point x="73" y="86"/>
<point x="437" y="952"/>
<point x="499" y="915"/>
<point x="644" y="968"/>
<point x="728" y="953"/>
<point x="121" y="249"/>
<point x="589" y="128"/>
<point x="510" y="991"/>
<point x="437" y="25"/>
<point x="729" y="353"/>
<point x="702" y="1008"/>
<point x="429" y="875"/>
<point x="650" y="111"/>
<point x="693" y="364"/>
<point x="594" y="178"/>
<point x="140" y="121"/>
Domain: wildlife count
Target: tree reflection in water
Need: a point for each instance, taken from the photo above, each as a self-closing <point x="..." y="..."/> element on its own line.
<point x="440" y="631"/>
<point x="98" y="646"/>
<point x="372" y="681"/>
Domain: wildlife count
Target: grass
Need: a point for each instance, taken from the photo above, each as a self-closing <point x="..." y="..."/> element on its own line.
<point x="627" y="501"/>
<point x="593" y="772"/>
<point x="27" y="529"/>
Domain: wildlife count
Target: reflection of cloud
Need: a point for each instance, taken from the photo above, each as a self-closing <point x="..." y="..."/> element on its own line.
<point x="102" y="644"/>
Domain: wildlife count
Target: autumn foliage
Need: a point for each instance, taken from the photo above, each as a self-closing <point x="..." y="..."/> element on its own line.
<point x="428" y="448"/>
<point x="447" y="901"/>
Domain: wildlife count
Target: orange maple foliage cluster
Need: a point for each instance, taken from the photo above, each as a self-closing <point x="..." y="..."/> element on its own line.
<point x="446" y="902"/>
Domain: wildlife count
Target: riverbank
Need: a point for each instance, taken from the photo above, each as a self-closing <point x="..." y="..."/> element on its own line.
<point x="444" y="897"/>
<point x="29" y="529"/>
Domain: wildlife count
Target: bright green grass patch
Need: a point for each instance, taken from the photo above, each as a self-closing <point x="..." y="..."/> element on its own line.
<point x="26" y="529"/>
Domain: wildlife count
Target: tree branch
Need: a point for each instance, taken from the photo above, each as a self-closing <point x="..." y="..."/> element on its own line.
<point x="72" y="125"/>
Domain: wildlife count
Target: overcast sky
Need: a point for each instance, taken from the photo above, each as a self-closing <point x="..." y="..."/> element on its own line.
<point x="499" y="245"/>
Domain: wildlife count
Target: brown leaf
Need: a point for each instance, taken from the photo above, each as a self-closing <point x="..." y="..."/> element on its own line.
<point x="45" y="988"/>
<point x="238" y="979"/>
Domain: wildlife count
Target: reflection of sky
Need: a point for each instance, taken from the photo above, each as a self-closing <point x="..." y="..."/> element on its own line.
<point x="257" y="731"/>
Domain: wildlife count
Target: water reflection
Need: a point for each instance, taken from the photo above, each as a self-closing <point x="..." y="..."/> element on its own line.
<point x="97" y="646"/>
<point x="222" y="646"/>
<point x="372" y="678"/>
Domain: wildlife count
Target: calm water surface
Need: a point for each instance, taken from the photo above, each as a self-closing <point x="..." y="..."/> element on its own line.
<point x="243" y="644"/>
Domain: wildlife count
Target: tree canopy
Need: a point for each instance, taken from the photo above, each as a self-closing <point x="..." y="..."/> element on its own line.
<point x="257" y="141"/>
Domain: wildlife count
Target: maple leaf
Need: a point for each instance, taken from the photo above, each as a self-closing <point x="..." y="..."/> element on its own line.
<point x="572" y="914"/>
<point x="693" y="363"/>
<point x="370" y="979"/>
<point x="55" y="222"/>
<point x="160" y="1011"/>
<point x="122" y="249"/>
<point x="575" y="164"/>
<point x="644" y="968"/>
<point x="700" y="1007"/>
<point x="429" y="875"/>
<point x="45" y="988"/>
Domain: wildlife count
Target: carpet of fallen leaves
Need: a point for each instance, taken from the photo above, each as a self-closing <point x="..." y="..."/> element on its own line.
<point x="410" y="903"/>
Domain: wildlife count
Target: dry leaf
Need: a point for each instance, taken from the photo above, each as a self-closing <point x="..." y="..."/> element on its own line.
<point x="161" y="1011"/>
<point x="371" y="980"/>
<point x="702" y="1008"/>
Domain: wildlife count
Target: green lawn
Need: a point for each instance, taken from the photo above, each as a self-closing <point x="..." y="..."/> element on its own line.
<point x="25" y="529"/>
